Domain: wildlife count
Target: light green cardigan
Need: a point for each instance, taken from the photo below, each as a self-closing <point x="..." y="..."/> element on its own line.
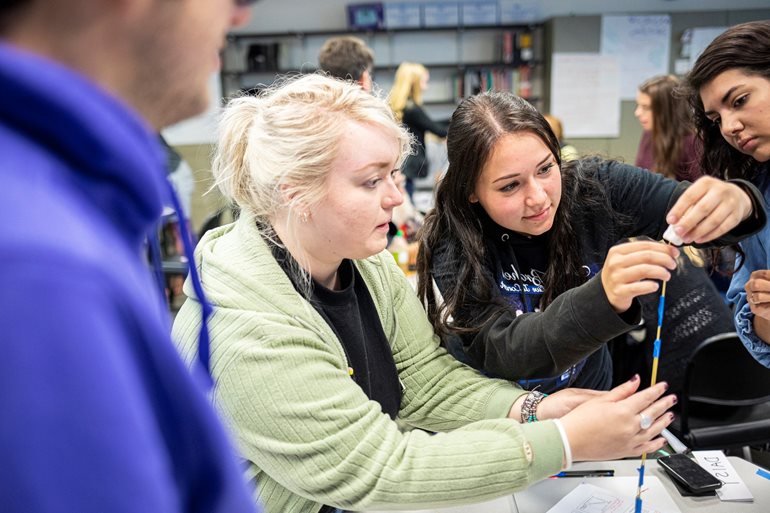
<point x="310" y="434"/>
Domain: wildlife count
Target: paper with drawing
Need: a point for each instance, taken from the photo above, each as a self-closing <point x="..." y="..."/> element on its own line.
<point x="616" y="495"/>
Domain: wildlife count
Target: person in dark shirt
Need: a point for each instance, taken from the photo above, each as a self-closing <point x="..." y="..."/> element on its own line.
<point x="348" y="58"/>
<point x="406" y="101"/>
<point x="524" y="249"/>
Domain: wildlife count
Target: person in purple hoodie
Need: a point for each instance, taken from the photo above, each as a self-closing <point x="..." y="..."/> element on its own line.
<point x="98" y="412"/>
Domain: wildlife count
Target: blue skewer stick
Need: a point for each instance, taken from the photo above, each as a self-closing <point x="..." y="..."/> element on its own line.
<point x="655" y="359"/>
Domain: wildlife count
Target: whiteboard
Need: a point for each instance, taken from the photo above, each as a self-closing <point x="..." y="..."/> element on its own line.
<point x="642" y="45"/>
<point x="585" y="91"/>
<point x="701" y="38"/>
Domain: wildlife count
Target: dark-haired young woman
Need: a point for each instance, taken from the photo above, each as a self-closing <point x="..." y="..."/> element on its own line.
<point x="668" y="145"/>
<point x="729" y="90"/>
<point x="525" y="252"/>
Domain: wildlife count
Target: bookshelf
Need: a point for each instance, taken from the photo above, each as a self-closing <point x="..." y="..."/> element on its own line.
<point x="462" y="60"/>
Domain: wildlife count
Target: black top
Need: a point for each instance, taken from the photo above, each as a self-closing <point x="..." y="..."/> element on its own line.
<point x="520" y="264"/>
<point x="418" y="122"/>
<point x="351" y="314"/>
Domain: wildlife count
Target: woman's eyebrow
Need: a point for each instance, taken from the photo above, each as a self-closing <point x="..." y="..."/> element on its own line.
<point x="513" y="175"/>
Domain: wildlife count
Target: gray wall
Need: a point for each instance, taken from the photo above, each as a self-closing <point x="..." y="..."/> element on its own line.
<point x="287" y="15"/>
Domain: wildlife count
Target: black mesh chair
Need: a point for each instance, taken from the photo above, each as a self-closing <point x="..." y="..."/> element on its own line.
<point x="725" y="400"/>
<point x="694" y="312"/>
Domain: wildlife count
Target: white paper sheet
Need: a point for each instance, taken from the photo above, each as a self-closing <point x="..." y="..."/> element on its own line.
<point x="642" y="45"/>
<point x="585" y="94"/>
<point x="616" y="495"/>
<point x="701" y="38"/>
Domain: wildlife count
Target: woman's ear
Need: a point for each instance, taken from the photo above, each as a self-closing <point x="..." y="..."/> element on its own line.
<point x="366" y="81"/>
<point x="288" y="193"/>
<point x="473" y="198"/>
<point x="289" y="199"/>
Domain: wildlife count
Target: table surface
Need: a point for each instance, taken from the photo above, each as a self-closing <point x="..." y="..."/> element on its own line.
<point x="759" y="486"/>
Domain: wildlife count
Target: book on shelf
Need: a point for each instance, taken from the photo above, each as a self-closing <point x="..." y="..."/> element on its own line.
<point x="517" y="80"/>
<point x="507" y="47"/>
<point x="516" y="47"/>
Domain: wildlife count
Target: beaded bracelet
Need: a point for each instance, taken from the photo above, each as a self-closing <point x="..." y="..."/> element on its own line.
<point x="529" y="407"/>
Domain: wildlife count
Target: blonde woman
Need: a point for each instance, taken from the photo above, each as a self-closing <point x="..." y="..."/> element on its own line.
<point x="406" y="101"/>
<point x="321" y="352"/>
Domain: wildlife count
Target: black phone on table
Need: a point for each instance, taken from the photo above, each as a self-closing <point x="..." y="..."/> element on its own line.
<point x="689" y="474"/>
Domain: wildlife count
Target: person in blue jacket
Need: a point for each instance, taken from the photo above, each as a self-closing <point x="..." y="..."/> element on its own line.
<point x="729" y="89"/>
<point x="99" y="414"/>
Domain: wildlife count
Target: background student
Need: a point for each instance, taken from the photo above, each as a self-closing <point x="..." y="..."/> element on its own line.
<point x="668" y="145"/>
<point x="729" y="89"/>
<point x="322" y="353"/>
<point x="405" y="99"/>
<point x="348" y="58"/>
<point x="98" y="412"/>
<point x="524" y="248"/>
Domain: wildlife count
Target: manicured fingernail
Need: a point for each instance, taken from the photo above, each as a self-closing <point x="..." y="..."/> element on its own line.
<point x="634" y="378"/>
<point x="674" y="400"/>
<point x="665" y="385"/>
<point x="671" y="416"/>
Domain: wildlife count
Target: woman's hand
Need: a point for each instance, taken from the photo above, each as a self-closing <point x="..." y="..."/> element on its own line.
<point x="631" y="268"/>
<point x="609" y="427"/>
<point x="560" y="403"/>
<point x="758" y="297"/>
<point x="708" y="209"/>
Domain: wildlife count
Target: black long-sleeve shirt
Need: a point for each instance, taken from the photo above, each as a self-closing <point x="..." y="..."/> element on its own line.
<point x="418" y="122"/>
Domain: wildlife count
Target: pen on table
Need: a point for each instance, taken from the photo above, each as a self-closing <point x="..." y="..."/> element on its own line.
<point x="586" y="473"/>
